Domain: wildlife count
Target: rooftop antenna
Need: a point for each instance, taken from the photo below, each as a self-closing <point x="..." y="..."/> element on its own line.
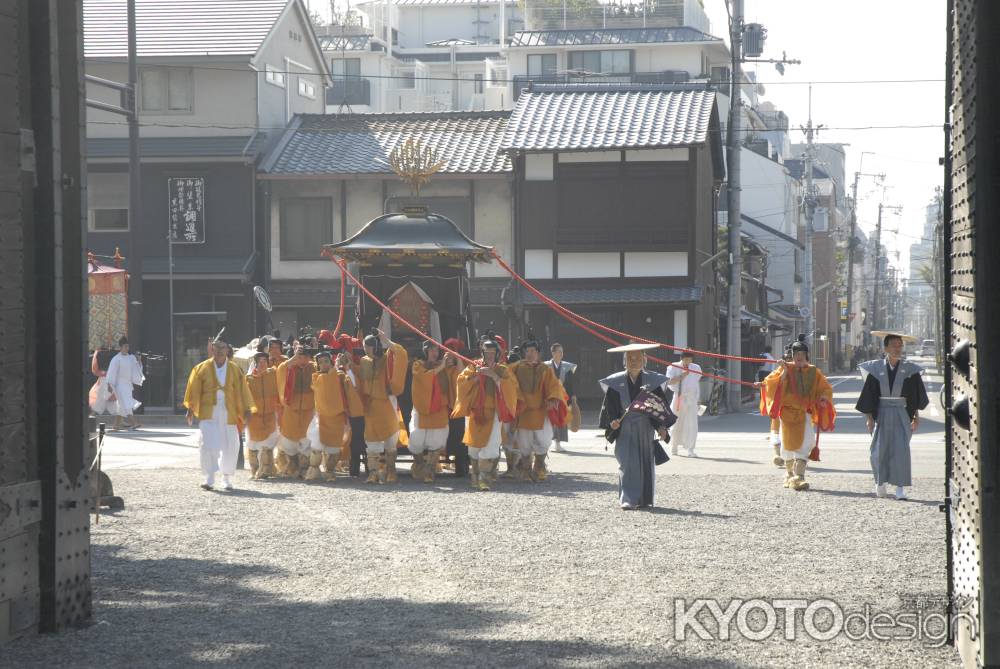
<point x="342" y="20"/>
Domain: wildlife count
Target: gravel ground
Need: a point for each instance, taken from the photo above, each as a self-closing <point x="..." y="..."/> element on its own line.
<point x="284" y="574"/>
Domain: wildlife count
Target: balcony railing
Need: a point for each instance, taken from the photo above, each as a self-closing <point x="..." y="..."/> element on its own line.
<point x="666" y="77"/>
<point x="349" y="91"/>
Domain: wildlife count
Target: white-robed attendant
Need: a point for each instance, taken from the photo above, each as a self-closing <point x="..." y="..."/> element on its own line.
<point x="124" y="372"/>
<point x="683" y="380"/>
<point x="217" y="395"/>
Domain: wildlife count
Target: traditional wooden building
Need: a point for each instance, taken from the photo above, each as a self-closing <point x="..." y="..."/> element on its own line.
<point x="615" y="197"/>
<point x="210" y="100"/>
<point x="329" y="175"/>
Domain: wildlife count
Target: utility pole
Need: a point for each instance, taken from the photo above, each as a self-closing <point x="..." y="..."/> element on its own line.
<point x="878" y="323"/>
<point x="134" y="192"/>
<point x="744" y="41"/>
<point x="810" y="202"/>
<point x="128" y="107"/>
<point x="734" y="331"/>
<point x="850" y="249"/>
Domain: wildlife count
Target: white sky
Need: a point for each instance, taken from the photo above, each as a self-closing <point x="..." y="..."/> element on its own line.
<point x="863" y="40"/>
<point x="857" y="41"/>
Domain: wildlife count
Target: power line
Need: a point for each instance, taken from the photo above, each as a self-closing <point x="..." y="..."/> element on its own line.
<point x="416" y="115"/>
<point x="595" y="75"/>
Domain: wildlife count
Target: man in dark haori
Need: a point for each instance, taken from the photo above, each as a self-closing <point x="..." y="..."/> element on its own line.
<point x="892" y="397"/>
<point x="633" y="433"/>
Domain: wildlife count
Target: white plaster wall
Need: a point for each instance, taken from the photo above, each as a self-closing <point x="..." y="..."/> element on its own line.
<point x="589" y="265"/>
<point x="538" y="263"/>
<point x="539" y="167"/>
<point x="303" y="269"/>
<point x="656" y="263"/>
<point x="276" y="110"/>
<point x="680" y="327"/>
<point x="657" y="155"/>
<point x="494" y="223"/>
<point x="223" y="97"/>
<point x="364" y="203"/>
<point x="591" y="157"/>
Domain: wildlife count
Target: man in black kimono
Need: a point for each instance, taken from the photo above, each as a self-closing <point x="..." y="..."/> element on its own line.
<point x="633" y="433"/>
<point x="892" y="398"/>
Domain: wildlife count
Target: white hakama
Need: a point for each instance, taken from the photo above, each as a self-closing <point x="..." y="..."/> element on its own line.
<point x="426" y="439"/>
<point x="124" y="372"/>
<point x="220" y="443"/>
<point x="685" y="406"/>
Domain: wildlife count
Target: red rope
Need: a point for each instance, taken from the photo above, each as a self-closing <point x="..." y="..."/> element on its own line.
<point x="340" y="318"/>
<point x="555" y="305"/>
<point x="580" y="321"/>
<point x="344" y="272"/>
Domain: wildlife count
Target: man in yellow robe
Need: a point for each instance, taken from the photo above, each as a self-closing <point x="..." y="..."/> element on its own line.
<point x="539" y="392"/>
<point x="486" y="395"/>
<point x="382" y="378"/>
<point x="275" y="353"/>
<point x="336" y="400"/>
<point x="218" y="397"/>
<point x="262" y="428"/>
<point x="432" y="390"/>
<point x="298" y="405"/>
<point x="801" y="397"/>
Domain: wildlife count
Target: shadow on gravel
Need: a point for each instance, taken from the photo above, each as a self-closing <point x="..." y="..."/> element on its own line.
<point x="181" y="612"/>
<point x="158" y="438"/>
<point x="871" y="496"/>
<point x="827" y="470"/>
<point x="734" y="460"/>
<point x="666" y="511"/>
<point x="557" y="485"/>
<point x="246" y="492"/>
<point x="588" y="454"/>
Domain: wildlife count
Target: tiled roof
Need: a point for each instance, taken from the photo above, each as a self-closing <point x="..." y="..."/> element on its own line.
<point x="179" y="147"/>
<point x="600" y="36"/>
<point x="180" y="27"/>
<point x="404" y="3"/>
<point x="789" y="311"/>
<point x="345" y="42"/>
<point x="673" y="295"/>
<point x="594" y="117"/>
<point x="329" y="144"/>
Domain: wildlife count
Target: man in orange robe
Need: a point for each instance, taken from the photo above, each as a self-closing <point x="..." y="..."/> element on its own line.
<point x="295" y="389"/>
<point x="539" y="393"/>
<point x="486" y="396"/>
<point x="382" y="377"/>
<point x="433" y="392"/>
<point x="262" y="428"/>
<point x="335" y="400"/>
<point x="802" y="398"/>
